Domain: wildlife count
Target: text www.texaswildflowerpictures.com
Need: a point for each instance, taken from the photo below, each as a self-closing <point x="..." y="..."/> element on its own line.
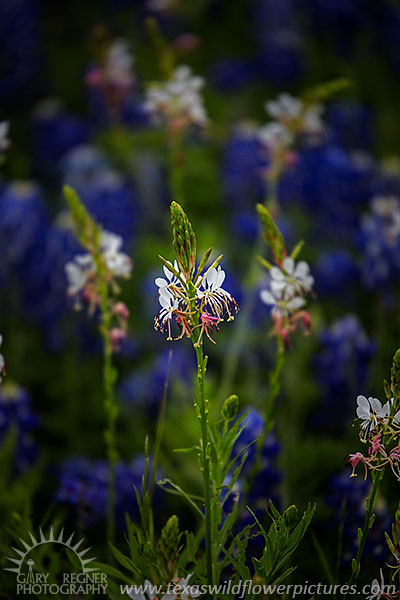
<point x="242" y="588"/>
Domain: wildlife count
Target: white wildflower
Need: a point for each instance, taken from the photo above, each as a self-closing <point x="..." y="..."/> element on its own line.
<point x="210" y="292"/>
<point x="119" y="63"/>
<point x="118" y="262"/>
<point x="292" y="279"/>
<point x="287" y="109"/>
<point x="275" y="136"/>
<point x="371" y="411"/>
<point x="282" y="306"/>
<point x="178" y="98"/>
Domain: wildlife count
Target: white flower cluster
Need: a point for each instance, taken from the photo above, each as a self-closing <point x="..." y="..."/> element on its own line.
<point x="118" y="67"/>
<point x="82" y="268"/>
<point x="371" y="412"/>
<point x="179" y="98"/>
<point x="210" y="296"/>
<point x="291" y="115"/>
<point x="288" y="286"/>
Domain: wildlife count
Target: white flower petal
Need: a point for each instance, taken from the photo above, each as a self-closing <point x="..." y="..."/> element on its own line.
<point x="277" y="274"/>
<point x="375" y="404"/>
<point x="267" y="297"/>
<point x="288" y="265"/>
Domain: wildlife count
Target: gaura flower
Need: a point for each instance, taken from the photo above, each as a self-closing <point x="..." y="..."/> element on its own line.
<point x="292" y="278"/>
<point x="377" y="588"/>
<point x="371" y="412"/>
<point x="290" y="110"/>
<point x="209" y="300"/>
<point x="281" y="306"/>
<point x="169" y="306"/>
<point x="213" y="296"/>
<point x="82" y="269"/>
<point x="178" y="99"/>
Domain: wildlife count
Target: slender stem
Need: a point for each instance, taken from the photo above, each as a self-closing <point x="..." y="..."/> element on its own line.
<point x="203" y="417"/>
<point x="111" y="410"/>
<point x="369" y="505"/>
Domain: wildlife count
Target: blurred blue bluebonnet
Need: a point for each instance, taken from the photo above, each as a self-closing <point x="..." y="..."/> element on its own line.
<point x="351" y="125"/>
<point x="23" y="223"/>
<point x="144" y="388"/>
<point x="83" y="485"/>
<point x="21" y="78"/>
<point x="342" y="367"/>
<point x="242" y="171"/>
<point x="16" y="416"/>
<point x="332" y="183"/>
<point x="232" y="74"/>
<point x="108" y="195"/>
<point x="280" y="42"/>
<point x="336" y="274"/>
<point x="267" y="482"/>
<point x="379" y="238"/>
<point x="346" y="499"/>
<point x="55" y="132"/>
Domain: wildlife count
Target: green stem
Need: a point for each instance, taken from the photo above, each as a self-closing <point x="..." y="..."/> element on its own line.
<point x="203" y="417"/>
<point x="111" y="410"/>
<point x="369" y="505"/>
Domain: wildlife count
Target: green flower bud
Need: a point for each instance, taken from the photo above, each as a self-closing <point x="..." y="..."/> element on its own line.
<point x="230" y="407"/>
<point x="169" y="536"/>
<point x="272" y="235"/>
<point x="291" y="515"/>
<point x="183" y="239"/>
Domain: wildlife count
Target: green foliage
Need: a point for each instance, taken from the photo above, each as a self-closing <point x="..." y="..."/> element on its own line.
<point x="281" y="541"/>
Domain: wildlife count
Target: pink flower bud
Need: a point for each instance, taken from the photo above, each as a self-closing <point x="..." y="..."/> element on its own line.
<point x="121" y="310"/>
<point x="117" y="336"/>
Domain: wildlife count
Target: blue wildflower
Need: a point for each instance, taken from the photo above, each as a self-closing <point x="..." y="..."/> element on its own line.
<point x="16" y="417"/>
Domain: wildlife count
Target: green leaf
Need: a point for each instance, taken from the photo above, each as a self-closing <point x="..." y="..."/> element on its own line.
<point x="122" y="559"/>
<point x="178" y="490"/>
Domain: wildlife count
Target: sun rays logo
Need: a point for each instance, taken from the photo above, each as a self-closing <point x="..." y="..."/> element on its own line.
<point x="31" y="580"/>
